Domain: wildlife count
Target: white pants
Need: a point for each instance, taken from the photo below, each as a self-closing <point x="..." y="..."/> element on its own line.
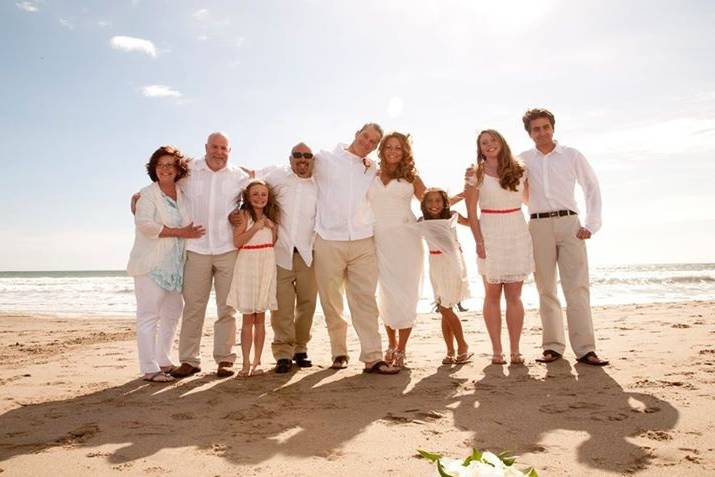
<point x="158" y="313"/>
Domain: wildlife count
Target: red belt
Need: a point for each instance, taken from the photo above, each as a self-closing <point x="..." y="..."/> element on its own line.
<point x="496" y="211"/>
<point x="435" y="252"/>
<point x="257" y="246"/>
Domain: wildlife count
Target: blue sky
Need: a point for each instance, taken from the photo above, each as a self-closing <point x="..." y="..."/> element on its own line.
<point x="91" y="88"/>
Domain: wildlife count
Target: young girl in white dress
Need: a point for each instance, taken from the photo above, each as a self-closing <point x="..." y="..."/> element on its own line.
<point x="504" y="250"/>
<point x="448" y="272"/>
<point x="253" y="289"/>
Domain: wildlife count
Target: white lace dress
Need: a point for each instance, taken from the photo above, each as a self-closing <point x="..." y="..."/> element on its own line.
<point x="253" y="288"/>
<point x="507" y="241"/>
<point x="399" y="249"/>
<point x="447" y="270"/>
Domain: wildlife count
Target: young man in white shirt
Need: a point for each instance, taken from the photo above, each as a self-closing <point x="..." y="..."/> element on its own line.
<point x="559" y="238"/>
<point x="345" y="249"/>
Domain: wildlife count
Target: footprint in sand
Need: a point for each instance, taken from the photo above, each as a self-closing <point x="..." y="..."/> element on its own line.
<point x="585" y="405"/>
<point x="155" y="470"/>
<point x="123" y="467"/>
<point x="97" y="454"/>
<point x="183" y="416"/>
<point x="391" y="418"/>
<point x="81" y="434"/>
<point x="656" y="435"/>
<point x="219" y="449"/>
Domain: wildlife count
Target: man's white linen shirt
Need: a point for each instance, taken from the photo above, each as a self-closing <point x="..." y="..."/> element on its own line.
<point x="343" y="210"/>
<point x="211" y="196"/>
<point x="297" y="198"/>
<point x="552" y="180"/>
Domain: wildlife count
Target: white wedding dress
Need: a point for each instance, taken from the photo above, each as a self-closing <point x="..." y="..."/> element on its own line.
<point x="400" y="253"/>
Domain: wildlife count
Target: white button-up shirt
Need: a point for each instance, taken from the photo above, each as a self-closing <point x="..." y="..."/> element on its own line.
<point x="343" y="210"/>
<point x="297" y="198"/>
<point x="211" y="196"/>
<point x="552" y="180"/>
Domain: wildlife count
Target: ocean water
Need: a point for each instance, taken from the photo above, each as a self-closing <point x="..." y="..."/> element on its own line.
<point x="111" y="293"/>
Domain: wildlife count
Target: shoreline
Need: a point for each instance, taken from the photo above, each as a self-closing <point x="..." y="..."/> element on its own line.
<point x="318" y="314"/>
<point x="72" y="403"/>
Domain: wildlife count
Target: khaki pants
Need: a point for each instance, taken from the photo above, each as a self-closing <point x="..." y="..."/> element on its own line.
<point x="199" y="272"/>
<point x="296" y="293"/>
<point x="555" y="243"/>
<point x="350" y="266"/>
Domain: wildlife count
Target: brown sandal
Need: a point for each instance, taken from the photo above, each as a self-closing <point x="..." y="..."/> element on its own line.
<point x="340" y="362"/>
<point x="549" y="357"/>
<point x="592" y="359"/>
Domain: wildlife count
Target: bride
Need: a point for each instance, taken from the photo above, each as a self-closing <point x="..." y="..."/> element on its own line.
<point x="399" y="247"/>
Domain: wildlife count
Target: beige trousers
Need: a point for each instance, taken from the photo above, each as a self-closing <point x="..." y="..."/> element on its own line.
<point x="199" y="273"/>
<point x="350" y="266"/>
<point x="555" y="244"/>
<point x="296" y="293"/>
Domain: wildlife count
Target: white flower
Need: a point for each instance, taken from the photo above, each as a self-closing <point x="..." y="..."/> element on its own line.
<point x="492" y="459"/>
<point x="513" y="472"/>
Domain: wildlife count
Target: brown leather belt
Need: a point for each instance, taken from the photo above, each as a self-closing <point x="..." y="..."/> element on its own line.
<point x="555" y="213"/>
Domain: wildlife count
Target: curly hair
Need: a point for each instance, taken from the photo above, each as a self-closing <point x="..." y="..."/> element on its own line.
<point x="406" y="168"/>
<point x="446" y="213"/>
<point x="509" y="169"/>
<point x="182" y="163"/>
<point x="536" y="113"/>
<point x="271" y="210"/>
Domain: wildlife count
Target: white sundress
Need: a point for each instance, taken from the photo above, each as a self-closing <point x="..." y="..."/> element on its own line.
<point x="399" y="250"/>
<point x="507" y="241"/>
<point x="447" y="270"/>
<point x="253" y="287"/>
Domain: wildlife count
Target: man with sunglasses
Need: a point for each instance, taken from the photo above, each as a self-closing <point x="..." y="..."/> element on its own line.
<point x="296" y="289"/>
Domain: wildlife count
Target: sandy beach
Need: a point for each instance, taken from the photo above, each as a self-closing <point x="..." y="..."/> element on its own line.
<point x="72" y="403"/>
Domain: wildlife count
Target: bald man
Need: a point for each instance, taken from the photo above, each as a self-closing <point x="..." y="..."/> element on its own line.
<point x="211" y="191"/>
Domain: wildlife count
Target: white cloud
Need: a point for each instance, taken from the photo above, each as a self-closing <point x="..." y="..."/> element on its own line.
<point x="128" y="43"/>
<point x="27" y="6"/>
<point x="200" y="15"/>
<point x="202" y="37"/>
<point x="239" y="42"/>
<point x="104" y="23"/>
<point x="66" y="23"/>
<point x="395" y="107"/>
<point x="160" y="91"/>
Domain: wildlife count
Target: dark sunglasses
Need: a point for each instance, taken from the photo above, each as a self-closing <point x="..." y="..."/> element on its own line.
<point x="298" y="155"/>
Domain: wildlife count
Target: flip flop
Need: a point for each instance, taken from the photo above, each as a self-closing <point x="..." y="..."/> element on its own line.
<point x="158" y="377"/>
<point x="591" y="359"/>
<point x="377" y="368"/>
<point x="449" y="359"/>
<point x="517" y="358"/>
<point x="340" y="362"/>
<point x="463" y="358"/>
<point x="549" y="357"/>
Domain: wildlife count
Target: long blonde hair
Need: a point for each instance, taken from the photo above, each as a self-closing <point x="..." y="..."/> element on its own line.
<point x="271" y="210"/>
<point x="509" y="169"/>
<point x="406" y="168"/>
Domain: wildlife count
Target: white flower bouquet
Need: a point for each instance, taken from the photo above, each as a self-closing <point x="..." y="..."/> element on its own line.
<point x="479" y="464"/>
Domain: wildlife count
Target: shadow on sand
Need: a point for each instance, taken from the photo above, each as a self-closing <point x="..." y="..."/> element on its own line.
<point x="249" y="421"/>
